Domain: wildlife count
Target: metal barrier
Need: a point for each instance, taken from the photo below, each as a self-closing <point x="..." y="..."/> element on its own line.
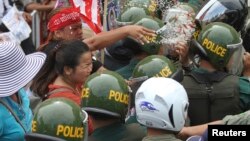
<point x="35" y="28"/>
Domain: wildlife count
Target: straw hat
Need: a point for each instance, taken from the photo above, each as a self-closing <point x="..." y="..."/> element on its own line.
<point x="16" y="69"/>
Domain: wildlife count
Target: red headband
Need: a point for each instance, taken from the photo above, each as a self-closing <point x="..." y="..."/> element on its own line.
<point x="63" y="18"/>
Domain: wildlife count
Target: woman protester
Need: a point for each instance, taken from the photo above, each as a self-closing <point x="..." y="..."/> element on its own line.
<point x="65" y="24"/>
<point x="69" y="63"/>
<point x="70" y="31"/>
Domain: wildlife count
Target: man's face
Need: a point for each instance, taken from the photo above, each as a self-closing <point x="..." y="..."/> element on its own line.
<point x="73" y="31"/>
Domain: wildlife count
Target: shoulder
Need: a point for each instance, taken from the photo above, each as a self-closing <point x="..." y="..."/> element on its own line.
<point x="245" y="80"/>
<point x="53" y="88"/>
<point x="3" y="112"/>
<point x="164" y="137"/>
<point x="135" y="131"/>
<point x="129" y="67"/>
<point x="91" y="138"/>
<point x="240" y="119"/>
<point x="244" y="85"/>
<point x="60" y="91"/>
<point x="67" y="95"/>
<point x="122" y="70"/>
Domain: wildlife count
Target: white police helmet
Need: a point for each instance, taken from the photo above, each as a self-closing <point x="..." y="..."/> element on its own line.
<point x="161" y="103"/>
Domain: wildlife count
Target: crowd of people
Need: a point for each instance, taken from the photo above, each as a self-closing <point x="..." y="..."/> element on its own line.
<point x="168" y="66"/>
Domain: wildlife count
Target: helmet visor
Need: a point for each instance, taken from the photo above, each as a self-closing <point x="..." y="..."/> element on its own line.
<point x="213" y="11"/>
<point x="236" y="63"/>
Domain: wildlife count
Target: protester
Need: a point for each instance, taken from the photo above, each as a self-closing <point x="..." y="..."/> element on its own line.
<point x="161" y="105"/>
<point x="66" y="69"/>
<point x="30" y="5"/>
<point x="72" y="29"/>
<point x="67" y="30"/>
<point x="16" y="70"/>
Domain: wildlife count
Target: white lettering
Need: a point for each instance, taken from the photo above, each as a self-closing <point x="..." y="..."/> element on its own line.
<point x="230" y="133"/>
<point x="214" y="131"/>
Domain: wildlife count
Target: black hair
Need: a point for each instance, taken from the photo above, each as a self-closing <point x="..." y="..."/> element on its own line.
<point x="134" y="46"/>
<point x="101" y="116"/>
<point x="65" y="53"/>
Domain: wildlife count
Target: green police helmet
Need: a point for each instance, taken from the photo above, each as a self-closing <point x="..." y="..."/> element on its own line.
<point x="155" y="7"/>
<point x="150" y="5"/>
<point x="157" y="66"/>
<point x="106" y="93"/>
<point x="62" y="118"/>
<point x="217" y="42"/>
<point x="153" y="66"/>
<point x="154" y="42"/>
<point x="150" y="23"/>
<point x="137" y="13"/>
<point x="131" y="15"/>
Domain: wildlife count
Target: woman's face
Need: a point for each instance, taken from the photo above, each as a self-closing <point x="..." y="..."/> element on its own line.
<point x="83" y="69"/>
<point x="73" y="31"/>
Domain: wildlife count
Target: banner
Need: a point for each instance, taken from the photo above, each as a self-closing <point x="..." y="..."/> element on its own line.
<point x="90" y="13"/>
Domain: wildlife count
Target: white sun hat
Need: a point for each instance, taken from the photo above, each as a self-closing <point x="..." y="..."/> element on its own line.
<point x="16" y="69"/>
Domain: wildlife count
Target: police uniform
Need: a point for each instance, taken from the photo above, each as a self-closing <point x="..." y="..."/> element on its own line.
<point x="117" y="132"/>
<point x="241" y="89"/>
<point x="166" y="137"/>
<point x="117" y="56"/>
<point x="127" y="71"/>
<point x="219" y="92"/>
<point x="240" y="119"/>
